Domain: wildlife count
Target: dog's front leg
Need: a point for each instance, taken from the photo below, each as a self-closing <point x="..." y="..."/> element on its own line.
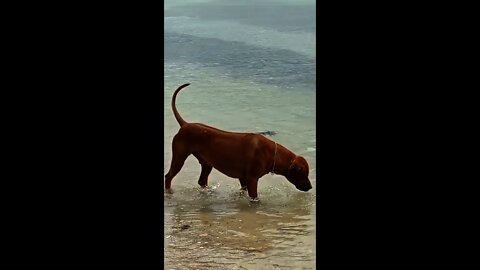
<point x="206" y="170"/>
<point x="252" y="184"/>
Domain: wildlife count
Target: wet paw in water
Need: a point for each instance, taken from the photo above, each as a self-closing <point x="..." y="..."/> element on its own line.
<point x="254" y="200"/>
<point x="209" y="189"/>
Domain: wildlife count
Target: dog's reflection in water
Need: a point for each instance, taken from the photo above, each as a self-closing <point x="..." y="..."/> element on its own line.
<point x="241" y="225"/>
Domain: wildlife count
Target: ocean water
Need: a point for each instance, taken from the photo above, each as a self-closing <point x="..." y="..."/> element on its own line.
<point x="251" y="66"/>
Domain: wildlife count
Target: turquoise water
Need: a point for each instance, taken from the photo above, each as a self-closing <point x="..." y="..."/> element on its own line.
<point x="251" y="65"/>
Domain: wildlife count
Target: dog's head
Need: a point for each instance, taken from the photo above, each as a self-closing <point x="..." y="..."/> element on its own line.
<point x="298" y="174"/>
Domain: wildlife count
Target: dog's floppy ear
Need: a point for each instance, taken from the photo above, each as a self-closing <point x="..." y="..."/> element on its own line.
<point x="294" y="169"/>
<point x="299" y="167"/>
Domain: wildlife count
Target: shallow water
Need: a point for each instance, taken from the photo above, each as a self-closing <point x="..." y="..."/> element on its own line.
<point x="247" y="73"/>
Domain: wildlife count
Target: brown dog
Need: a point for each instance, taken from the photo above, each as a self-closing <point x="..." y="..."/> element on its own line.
<point x="246" y="156"/>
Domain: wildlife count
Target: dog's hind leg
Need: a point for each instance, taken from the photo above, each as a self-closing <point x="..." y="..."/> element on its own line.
<point x="179" y="156"/>
<point x="243" y="184"/>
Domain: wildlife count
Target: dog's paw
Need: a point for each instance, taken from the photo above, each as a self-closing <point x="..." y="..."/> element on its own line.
<point x="169" y="191"/>
<point x="242" y="191"/>
<point x="204" y="189"/>
<point x="254" y="199"/>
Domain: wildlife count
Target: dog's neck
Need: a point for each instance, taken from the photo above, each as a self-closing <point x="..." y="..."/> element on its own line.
<point x="282" y="160"/>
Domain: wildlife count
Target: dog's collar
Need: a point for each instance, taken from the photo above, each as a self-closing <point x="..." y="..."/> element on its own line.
<point x="274" y="158"/>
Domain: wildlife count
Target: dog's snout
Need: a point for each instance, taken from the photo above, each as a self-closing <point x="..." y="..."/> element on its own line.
<point x="305" y="188"/>
<point x="309" y="186"/>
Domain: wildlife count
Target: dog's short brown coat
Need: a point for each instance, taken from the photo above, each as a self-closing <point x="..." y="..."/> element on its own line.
<point x="246" y="156"/>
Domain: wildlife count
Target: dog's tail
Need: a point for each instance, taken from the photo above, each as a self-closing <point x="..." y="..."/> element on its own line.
<point x="175" y="112"/>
